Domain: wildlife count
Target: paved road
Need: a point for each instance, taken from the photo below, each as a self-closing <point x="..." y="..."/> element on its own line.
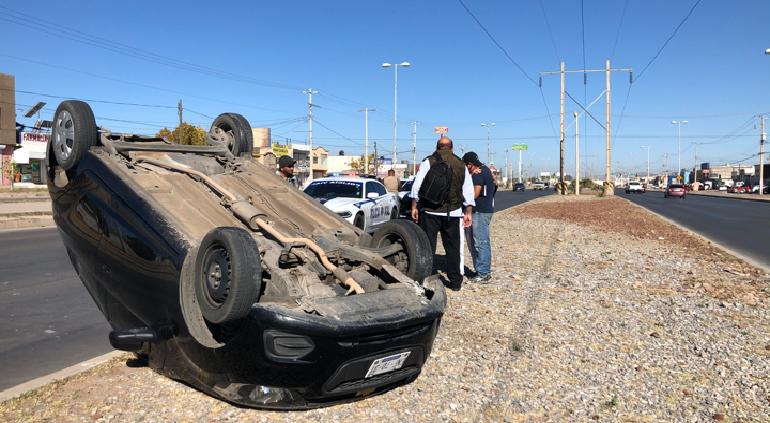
<point x="47" y="319"/>
<point x="743" y="226"/>
<point x="507" y="198"/>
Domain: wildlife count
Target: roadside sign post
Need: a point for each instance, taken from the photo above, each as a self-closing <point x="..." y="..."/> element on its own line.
<point x="519" y="148"/>
<point x="441" y="129"/>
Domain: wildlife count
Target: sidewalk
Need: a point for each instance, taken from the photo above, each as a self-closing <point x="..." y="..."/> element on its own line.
<point x="20" y="210"/>
<point x="720" y="194"/>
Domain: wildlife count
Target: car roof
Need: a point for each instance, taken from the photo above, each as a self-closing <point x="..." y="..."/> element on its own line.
<point x="345" y="179"/>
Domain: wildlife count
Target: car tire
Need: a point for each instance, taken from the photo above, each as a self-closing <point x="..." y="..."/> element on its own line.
<point x="359" y="221"/>
<point x="238" y="132"/>
<point x="416" y="247"/>
<point x="228" y="274"/>
<point x="73" y="133"/>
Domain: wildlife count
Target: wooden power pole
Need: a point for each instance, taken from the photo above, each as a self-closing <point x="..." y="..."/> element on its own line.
<point x="608" y="189"/>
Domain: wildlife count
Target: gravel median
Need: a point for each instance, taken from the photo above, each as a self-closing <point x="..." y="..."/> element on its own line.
<point x="599" y="310"/>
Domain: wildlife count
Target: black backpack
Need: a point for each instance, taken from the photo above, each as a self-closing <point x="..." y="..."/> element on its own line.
<point x="434" y="190"/>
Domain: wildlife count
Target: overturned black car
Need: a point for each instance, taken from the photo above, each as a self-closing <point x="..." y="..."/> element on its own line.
<point x="224" y="277"/>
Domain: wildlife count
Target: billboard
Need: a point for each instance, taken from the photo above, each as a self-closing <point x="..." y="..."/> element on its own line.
<point x="519" y="147"/>
<point x="280" y="150"/>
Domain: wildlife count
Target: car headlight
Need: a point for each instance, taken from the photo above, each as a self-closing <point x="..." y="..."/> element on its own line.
<point x="344" y="214"/>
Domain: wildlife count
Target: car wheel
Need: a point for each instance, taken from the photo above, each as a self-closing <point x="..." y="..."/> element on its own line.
<point x="235" y="130"/>
<point x="73" y="132"/>
<point x="360" y="221"/>
<point x="416" y="258"/>
<point x="228" y="274"/>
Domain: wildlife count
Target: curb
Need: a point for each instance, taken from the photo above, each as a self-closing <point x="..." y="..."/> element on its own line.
<point x="73" y="370"/>
<point x="749" y="260"/>
<point x="25" y="221"/>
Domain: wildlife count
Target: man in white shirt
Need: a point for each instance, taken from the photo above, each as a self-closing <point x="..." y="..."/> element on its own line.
<point x="451" y="213"/>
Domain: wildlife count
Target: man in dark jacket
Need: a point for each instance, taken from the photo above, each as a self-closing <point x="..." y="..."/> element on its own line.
<point x="452" y="215"/>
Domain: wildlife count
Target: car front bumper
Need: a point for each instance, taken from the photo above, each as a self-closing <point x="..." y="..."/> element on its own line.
<point x="248" y="372"/>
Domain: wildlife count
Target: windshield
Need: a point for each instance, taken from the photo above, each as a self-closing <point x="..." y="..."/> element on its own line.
<point x="334" y="189"/>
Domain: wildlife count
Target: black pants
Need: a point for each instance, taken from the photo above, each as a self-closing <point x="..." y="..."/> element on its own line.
<point x="449" y="227"/>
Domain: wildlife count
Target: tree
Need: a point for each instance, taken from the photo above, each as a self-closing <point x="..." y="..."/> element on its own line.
<point x="190" y="134"/>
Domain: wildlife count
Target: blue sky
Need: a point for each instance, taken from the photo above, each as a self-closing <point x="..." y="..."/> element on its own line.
<point x="258" y="56"/>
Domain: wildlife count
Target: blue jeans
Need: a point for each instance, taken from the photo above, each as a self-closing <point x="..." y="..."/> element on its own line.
<point x="481" y="223"/>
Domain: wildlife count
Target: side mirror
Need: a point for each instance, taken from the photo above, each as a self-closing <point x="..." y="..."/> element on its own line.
<point x="372" y="195"/>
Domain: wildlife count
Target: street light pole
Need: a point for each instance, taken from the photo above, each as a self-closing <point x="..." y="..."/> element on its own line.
<point x="488" y="126"/>
<point x="679" y="123"/>
<point x="648" y="162"/>
<point x="395" y="104"/>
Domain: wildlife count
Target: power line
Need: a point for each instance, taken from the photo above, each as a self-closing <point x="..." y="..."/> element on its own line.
<point x="61" y="31"/>
<point x="620" y="26"/>
<point x="335" y="132"/>
<point x="505" y="52"/>
<point x="550" y="32"/>
<point x="120" y="103"/>
<point x="139" y="84"/>
<point x="670" y="37"/>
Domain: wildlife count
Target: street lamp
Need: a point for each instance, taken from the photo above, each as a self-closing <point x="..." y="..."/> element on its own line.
<point x="767" y="51"/>
<point x="648" y="162"/>
<point x="679" y="123"/>
<point x="489" y="127"/>
<point x="395" y="102"/>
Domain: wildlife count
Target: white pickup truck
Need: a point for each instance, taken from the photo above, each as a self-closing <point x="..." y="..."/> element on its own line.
<point x="635" y="187"/>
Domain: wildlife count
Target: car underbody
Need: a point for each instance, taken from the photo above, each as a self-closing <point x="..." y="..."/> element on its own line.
<point x="226" y="278"/>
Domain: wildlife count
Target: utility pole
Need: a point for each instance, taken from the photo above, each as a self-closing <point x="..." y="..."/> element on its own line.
<point x="577" y="153"/>
<point x="695" y="163"/>
<point x="366" y="111"/>
<point x="762" y="154"/>
<point x="608" y="164"/>
<point x="607" y="188"/>
<point x="561" y="124"/>
<point x="180" y="115"/>
<point x="310" y="93"/>
<point x="414" y="148"/>
<point x="648" y="162"/>
<point x="375" y="159"/>
<point x="519" y="165"/>
<point x="507" y="179"/>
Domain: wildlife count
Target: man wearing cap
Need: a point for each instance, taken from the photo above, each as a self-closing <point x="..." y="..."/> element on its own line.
<point x="483" y="192"/>
<point x="452" y="215"/>
<point x="286" y="169"/>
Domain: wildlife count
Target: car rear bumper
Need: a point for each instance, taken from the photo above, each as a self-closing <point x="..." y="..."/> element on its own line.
<point x="252" y="371"/>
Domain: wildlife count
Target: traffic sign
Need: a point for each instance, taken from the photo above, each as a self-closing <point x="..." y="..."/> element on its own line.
<point x="519" y="147"/>
<point x="441" y="129"/>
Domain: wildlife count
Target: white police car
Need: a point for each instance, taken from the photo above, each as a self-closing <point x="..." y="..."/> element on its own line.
<point x="363" y="202"/>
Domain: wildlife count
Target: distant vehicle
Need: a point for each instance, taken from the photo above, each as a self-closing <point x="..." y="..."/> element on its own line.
<point x="635" y="187"/>
<point x="363" y="202"/>
<point x="518" y="186"/>
<point x="722" y="188"/>
<point x="538" y="186"/>
<point x="675" y="190"/>
<point x="755" y="189"/>
<point x="738" y="189"/>
<point x="708" y="185"/>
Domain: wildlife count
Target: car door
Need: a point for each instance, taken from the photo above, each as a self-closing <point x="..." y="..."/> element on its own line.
<point x="379" y="205"/>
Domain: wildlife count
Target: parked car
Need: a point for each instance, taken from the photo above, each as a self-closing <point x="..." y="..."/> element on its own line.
<point x="363" y="202"/>
<point x="518" y="186"/>
<point x="221" y="275"/>
<point x="635" y="187"/>
<point x="675" y="190"/>
<point x="538" y="186"/>
<point x="755" y="189"/>
<point x="738" y="189"/>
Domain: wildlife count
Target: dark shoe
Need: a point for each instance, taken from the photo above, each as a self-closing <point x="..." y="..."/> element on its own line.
<point x="482" y="279"/>
<point x="454" y="286"/>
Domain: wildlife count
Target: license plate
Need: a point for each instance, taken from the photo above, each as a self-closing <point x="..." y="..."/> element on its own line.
<point x="387" y="364"/>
